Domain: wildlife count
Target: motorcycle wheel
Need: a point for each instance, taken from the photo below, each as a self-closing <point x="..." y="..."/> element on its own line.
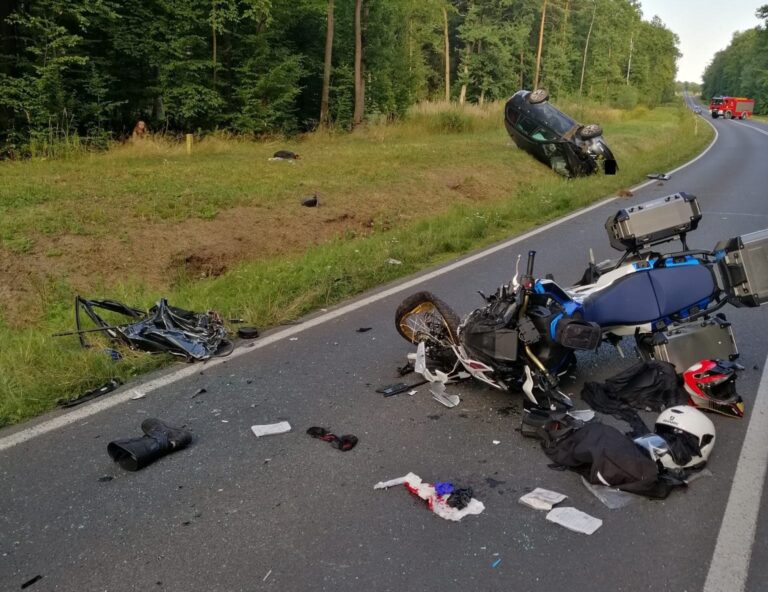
<point x="423" y="316"/>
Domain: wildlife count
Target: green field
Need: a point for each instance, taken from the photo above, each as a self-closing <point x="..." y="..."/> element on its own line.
<point x="223" y="228"/>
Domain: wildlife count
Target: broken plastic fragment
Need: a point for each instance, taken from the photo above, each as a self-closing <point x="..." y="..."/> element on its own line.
<point x="574" y="520"/>
<point x="584" y="415"/>
<point x="438" y="394"/>
<point x="542" y="499"/>
<point x="271" y="429"/>
<point x="612" y="498"/>
<point x="392" y="261"/>
<point x="390" y="483"/>
<point x="138" y="395"/>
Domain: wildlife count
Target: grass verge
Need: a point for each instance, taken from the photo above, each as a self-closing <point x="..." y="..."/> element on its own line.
<point x="420" y="192"/>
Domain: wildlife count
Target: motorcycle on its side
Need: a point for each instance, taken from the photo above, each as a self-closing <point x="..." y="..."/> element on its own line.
<point x="527" y="332"/>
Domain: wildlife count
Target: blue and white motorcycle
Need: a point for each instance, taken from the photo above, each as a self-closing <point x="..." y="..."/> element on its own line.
<point x="525" y="335"/>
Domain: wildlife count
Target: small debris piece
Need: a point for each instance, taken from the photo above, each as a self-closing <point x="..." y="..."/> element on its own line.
<point x="496" y="442"/>
<point x="407" y="369"/>
<point x="28" y="583"/>
<point x="625" y="193"/>
<point x="310" y="202"/>
<point x="584" y="415"/>
<point x="105" y="478"/>
<point x="266" y="576"/>
<point x="398" y="387"/>
<point x="612" y="498"/>
<point x="659" y="176"/>
<point x="413" y="392"/>
<point x="574" y="520"/>
<point x="293" y="339"/>
<point x="343" y="443"/>
<point x="460" y="498"/>
<point x="363" y="329"/>
<point x="542" y="499"/>
<point x="392" y="261"/>
<point x="271" y="429"/>
<point x="437" y="503"/>
<point x="236" y="321"/>
<point x="138" y="395"/>
<point x="495" y="564"/>
<point x="92" y="394"/>
<point x="199" y="391"/>
<point x="443" y="488"/>
<point x="113" y="353"/>
<point x="247" y="332"/>
<point x="438" y="394"/>
<point x="286" y="155"/>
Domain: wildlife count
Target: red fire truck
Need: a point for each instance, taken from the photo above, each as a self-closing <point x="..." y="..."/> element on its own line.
<point x="730" y="107"/>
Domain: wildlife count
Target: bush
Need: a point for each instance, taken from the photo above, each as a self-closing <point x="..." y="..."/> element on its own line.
<point x="452" y="121"/>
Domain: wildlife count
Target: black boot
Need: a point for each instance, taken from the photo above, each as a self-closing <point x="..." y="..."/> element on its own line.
<point x="136" y="453"/>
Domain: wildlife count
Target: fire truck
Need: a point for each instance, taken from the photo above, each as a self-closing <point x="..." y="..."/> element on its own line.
<point x="730" y="107"/>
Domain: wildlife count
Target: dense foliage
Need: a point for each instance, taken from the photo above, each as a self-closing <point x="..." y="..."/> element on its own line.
<point x="741" y="69"/>
<point x="92" y="68"/>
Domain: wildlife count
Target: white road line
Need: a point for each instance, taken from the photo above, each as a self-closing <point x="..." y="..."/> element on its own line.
<point x="729" y="567"/>
<point x="153" y="385"/>
<point x="757" y="129"/>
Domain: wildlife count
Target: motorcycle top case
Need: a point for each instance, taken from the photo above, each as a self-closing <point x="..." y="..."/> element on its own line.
<point x="687" y="344"/>
<point x="653" y="222"/>
<point x="745" y="265"/>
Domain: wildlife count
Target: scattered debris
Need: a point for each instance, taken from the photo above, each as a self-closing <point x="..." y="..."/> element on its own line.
<point x="236" y="321"/>
<point x="113" y="353"/>
<point x="310" y="202"/>
<point x="392" y="261"/>
<point x="397" y="388"/>
<point x="159" y="439"/>
<point x="92" y="394"/>
<point x="271" y="429"/>
<point x="443" y="487"/>
<point x="611" y="497"/>
<point x="198" y="392"/>
<point x="495" y="564"/>
<point x="266" y="576"/>
<point x="138" y="395"/>
<point x="584" y="415"/>
<point x="438" y="394"/>
<point x="285" y="155"/>
<point x="28" y="583"/>
<point x="105" y="479"/>
<point x="413" y="392"/>
<point x="293" y="339"/>
<point x="574" y="520"/>
<point x="542" y="499"/>
<point x="439" y="504"/>
<point x="460" y="498"/>
<point x="162" y="329"/>
<point x="496" y="442"/>
<point x="247" y="332"/>
<point x="407" y="369"/>
<point x="659" y="176"/>
<point x="343" y="443"/>
<point x="363" y="329"/>
<point x="624" y="193"/>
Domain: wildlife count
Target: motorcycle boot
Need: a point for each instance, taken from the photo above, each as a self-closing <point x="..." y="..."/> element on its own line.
<point x="134" y="454"/>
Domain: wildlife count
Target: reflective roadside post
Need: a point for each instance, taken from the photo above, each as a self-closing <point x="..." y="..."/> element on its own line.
<point x="189" y="143"/>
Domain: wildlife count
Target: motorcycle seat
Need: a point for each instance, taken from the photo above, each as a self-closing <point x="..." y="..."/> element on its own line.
<point x="646" y="296"/>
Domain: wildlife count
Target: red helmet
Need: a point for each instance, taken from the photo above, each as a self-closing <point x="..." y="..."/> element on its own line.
<point x="711" y="385"/>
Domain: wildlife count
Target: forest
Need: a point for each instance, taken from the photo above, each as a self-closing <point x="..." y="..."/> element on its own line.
<point x="741" y="69"/>
<point x="89" y="69"/>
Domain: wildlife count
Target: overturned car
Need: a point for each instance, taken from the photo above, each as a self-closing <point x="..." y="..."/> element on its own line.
<point x="571" y="149"/>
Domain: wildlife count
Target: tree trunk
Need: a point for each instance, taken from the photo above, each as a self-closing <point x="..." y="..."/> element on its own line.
<point x="357" y="117"/>
<point x="213" y="35"/>
<point x="522" y="69"/>
<point x="629" y="63"/>
<point x="586" y="47"/>
<point x="327" y="67"/>
<point x="541" y="40"/>
<point x="447" y="56"/>
<point x="463" y="93"/>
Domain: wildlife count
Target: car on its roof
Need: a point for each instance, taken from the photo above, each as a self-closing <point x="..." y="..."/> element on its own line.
<point x="554" y="138"/>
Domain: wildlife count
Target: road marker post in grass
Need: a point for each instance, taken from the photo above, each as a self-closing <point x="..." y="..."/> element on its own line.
<point x="190" y="138"/>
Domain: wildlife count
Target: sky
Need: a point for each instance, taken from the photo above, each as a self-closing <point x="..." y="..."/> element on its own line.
<point x="703" y="26"/>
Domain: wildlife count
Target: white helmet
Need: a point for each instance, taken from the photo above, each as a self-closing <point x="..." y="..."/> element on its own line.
<point x="684" y="438"/>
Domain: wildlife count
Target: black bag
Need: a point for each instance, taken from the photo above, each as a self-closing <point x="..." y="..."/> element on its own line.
<point x="605" y="456"/>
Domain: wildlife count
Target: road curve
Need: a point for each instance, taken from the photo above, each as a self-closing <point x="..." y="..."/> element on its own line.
<point x="287" y="512"/>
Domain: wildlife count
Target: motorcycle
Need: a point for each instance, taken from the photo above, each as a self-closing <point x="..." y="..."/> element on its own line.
<point x="527" y="332"/>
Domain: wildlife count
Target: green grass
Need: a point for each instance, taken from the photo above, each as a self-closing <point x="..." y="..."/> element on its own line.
<point x="434" y="187"/>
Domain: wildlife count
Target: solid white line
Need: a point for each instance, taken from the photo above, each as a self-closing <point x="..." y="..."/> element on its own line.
<point x="153" y="385"/>
<point x="729" y="567"/>
<point x="757" y="129"/>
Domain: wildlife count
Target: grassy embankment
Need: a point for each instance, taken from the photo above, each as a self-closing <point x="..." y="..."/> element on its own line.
<point x="223" y="228"/>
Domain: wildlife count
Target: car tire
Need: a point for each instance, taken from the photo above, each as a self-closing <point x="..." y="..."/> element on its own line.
<point x="714" y="115"/>
<point x="728" y="115"/>
<point x="538" y="96"/>
<point x="587" y="132"/>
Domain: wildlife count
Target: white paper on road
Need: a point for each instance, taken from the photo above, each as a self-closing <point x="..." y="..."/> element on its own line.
<point x="271" y="429"/>
<point x="574" y="520"/>
<point x="542" y="499"/>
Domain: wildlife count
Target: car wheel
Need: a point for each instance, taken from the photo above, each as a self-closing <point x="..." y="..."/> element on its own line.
<point x="538" y="96"/>
<point x="714" y="114"/>
<point x="744" y="115"/>
<point x="590" y="131"/>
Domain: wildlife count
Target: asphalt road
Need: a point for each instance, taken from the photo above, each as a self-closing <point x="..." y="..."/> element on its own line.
<point x="237" y="513"/>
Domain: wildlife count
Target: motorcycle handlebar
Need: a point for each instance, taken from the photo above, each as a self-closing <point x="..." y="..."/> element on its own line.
<point x="529" y="269"/>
